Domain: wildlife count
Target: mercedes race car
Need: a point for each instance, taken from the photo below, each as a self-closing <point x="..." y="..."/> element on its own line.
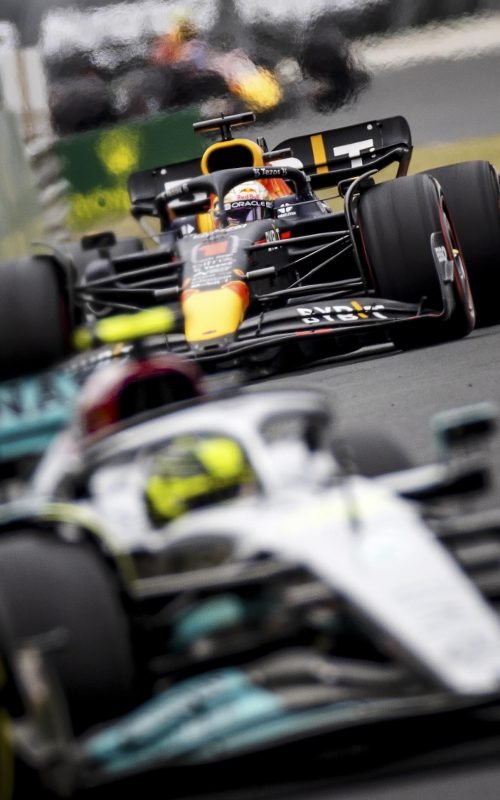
<point x="259" y="268"/>
<point x="220" y="585"/>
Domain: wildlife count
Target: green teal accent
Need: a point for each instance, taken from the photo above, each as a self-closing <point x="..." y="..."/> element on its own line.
<point x="266" y="731"/>
<point x="165" y="712"/>
<point x="97" y="163"/>
<point x="248" y="709"/>
<point x="207" y="618"/>
<point x="32" y="411"/>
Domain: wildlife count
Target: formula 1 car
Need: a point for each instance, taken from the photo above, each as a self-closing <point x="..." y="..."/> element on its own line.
<point x="127" y="63"/>
<point x="272" y="273"/>
<point x="139" y="376"/>
<point x="217" y="584"/>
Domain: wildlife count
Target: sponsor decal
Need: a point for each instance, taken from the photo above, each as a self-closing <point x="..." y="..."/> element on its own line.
<point x="212" y="262"/>
<point x="441" y="254"/>
<point x="207" y="252"/>
<point x="270" y="172"/>
<point x="173" y="188"/>
<point x="212" y="249"/>
<point x="341" y="313"/>
<point x="354" y="151"/>
<point x="287" y="210"/>
<point x="272" y="236"/>
<point x="247" y="204"/>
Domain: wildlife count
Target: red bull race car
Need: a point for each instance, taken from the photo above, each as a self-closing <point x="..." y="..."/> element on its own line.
<point x="260" y="270"/>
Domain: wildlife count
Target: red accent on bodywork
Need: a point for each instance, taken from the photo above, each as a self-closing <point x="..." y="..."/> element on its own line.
<point x="241" y="289"/>
<point x="214" y="248"/>
<point x="99" y="406"/>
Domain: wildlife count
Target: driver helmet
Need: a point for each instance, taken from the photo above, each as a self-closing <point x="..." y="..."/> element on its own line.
<point x="194" y="471"/>
<point x="247" y="202"/>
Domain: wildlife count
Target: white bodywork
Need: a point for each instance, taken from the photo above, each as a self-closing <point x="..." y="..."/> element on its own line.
<point x="356" y="535"/>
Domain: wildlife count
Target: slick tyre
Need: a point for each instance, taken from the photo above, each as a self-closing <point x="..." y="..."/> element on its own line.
<point x="35" y="327"/>
<point x="472" y="196"/>
<point x="397" y="219"/>
<point x="53" y="590"/>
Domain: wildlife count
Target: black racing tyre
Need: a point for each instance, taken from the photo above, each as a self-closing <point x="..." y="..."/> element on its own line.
<point x="370" y="453"/>
<point x="472" y="195"/>
<point x="35" y="327"/>
<point x="397" y="219"/>
<point x="12" y="698"/>
<point x="47" y="585"/>
<point x="81" y="258"/>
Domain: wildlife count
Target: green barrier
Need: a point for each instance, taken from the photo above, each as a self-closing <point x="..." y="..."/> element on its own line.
<point x="20" y="214"/>
<point x="97" y="163"/>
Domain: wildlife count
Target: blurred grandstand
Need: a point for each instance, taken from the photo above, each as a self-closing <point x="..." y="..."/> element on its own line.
<point x="127" y="60"/>
<point x="100" y="87"/>
<point x="130" y="61"/>
<point x="356" y="17"/>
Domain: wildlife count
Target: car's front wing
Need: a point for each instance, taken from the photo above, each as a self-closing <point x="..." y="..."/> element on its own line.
<point x="366" y="319"/>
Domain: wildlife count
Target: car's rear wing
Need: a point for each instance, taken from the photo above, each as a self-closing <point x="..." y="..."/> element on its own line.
<point x="341" y="153"/>
<point x="144" y="186"/>
<point x="328" y="157"/>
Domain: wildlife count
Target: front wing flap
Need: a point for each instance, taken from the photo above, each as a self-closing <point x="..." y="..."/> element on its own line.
<point x="365" y="316"/>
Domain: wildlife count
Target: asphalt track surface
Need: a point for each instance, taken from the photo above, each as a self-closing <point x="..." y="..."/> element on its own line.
<point x="398" y="393"/>
<point x="443" y="100"/>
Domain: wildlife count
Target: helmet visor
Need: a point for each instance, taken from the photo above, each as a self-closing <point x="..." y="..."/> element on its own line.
<point x="241" y="211"/>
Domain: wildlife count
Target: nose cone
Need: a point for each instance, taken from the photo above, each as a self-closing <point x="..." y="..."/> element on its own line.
<point x="213" y="313"/>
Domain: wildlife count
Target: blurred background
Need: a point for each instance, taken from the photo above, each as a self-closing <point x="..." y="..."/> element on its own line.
<point x="93" y="90"/>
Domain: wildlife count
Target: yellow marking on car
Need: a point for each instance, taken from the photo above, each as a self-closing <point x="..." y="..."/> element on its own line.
<point x="359" y="308"/>
<point x="205" y="222"/>
<point x="254" y="156"/>
<point x="213" y="313"/>
<point x="319" y="152"/>
<point x="125" y="327"/>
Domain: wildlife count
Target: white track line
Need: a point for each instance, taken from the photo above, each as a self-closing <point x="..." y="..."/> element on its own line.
<point x="470" y="37"/>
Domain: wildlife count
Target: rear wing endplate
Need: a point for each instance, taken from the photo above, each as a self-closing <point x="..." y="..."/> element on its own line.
<point x="144" y="186"/>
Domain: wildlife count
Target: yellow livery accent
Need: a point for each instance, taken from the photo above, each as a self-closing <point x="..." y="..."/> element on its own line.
<point x="205" y="222"/>
<point x="214" y="312"/>
<point x="126" y="327"/>
<point x="232" y="153"/>
<point x="319" y="152"/>
<point x="359" y="308"/>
